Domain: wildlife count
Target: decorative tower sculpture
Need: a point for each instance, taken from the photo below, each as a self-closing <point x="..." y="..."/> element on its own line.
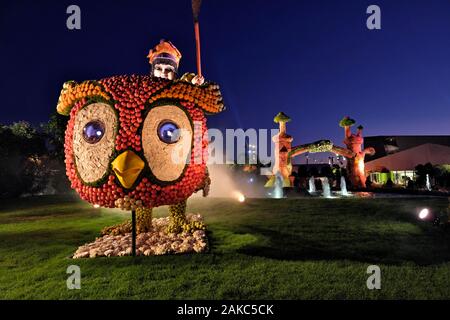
<point x="284" y="152"/>
<point x="283" y="141"/>
<point x="355" y="163"/>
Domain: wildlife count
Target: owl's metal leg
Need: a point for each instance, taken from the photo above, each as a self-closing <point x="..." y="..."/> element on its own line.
<point x="178" y="222"/>
<point x="133" y="233"/>
<point x="143" y="224"/>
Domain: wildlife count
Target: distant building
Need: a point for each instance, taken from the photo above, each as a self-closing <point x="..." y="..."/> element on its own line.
<point x="385" y="145"/>
<point x="397" y="156"/>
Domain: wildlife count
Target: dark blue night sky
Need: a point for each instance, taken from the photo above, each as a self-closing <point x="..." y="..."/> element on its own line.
<point x="314" y="60"/>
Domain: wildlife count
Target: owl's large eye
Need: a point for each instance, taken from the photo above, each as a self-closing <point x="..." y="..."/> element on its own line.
<point x="93" y="131"/>
<point x="168" y="132"/>
<point x="94" y="134"/>
<point x="167" y="141"/>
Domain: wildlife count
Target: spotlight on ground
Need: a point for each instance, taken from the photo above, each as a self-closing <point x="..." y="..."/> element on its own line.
<point x="239" y="196"/>
<point x="441" y="219"/>
<point x="424" y="213"/>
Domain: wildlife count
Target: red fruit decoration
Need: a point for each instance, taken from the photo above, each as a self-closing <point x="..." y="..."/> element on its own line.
<point x="138" y="142"/>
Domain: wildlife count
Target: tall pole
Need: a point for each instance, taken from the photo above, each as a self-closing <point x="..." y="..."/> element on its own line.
<point x="133" y="233"/>
<point x="195" y="12"/>
<point x="197" y="47"/>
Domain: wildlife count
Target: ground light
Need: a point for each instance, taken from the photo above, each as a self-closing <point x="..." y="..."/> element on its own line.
<point x="424" y="213"/>
<point x="441" y="219"/>
<point x="239" y="196"/>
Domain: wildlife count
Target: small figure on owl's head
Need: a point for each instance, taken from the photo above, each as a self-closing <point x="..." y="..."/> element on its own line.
<point x="164" y="59"/>
<point x="139" y="142"/>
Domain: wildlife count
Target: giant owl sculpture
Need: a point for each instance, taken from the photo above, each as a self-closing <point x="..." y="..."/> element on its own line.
<point x="138" y="142"/>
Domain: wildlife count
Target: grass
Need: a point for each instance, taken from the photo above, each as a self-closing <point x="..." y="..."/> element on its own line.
<point x="262" y="249"/>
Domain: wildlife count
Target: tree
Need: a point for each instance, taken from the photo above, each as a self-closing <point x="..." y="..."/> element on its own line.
<point x="441" y="175"/>
<point x="368" y="183"/>
<point x="326" y="171"/>
<point x="389" y="184"/>
<point x="421" y="173"/>
<point x="55" y="130"/>
<point x="336" y="172"/>
<point x="302" y="172"/>
<point x="313" y="172"/>
<point x="21" y="147"/>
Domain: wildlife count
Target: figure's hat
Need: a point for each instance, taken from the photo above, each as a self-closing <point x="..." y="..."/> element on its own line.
<point x="164" y="52"/>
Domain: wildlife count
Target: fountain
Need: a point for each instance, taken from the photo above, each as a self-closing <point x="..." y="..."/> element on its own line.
<point x="344" y="191"/>
<point x="428" y="183"/>
<point x="312" y="185"/>
<point x="325" y="187"/>
<point x="278" y="186"/>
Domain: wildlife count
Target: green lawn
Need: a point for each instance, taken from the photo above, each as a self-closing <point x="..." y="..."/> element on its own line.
<point x="262" y="249"/>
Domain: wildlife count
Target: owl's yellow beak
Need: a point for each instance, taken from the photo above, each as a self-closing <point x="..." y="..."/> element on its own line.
<point x="127" y="167"/>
